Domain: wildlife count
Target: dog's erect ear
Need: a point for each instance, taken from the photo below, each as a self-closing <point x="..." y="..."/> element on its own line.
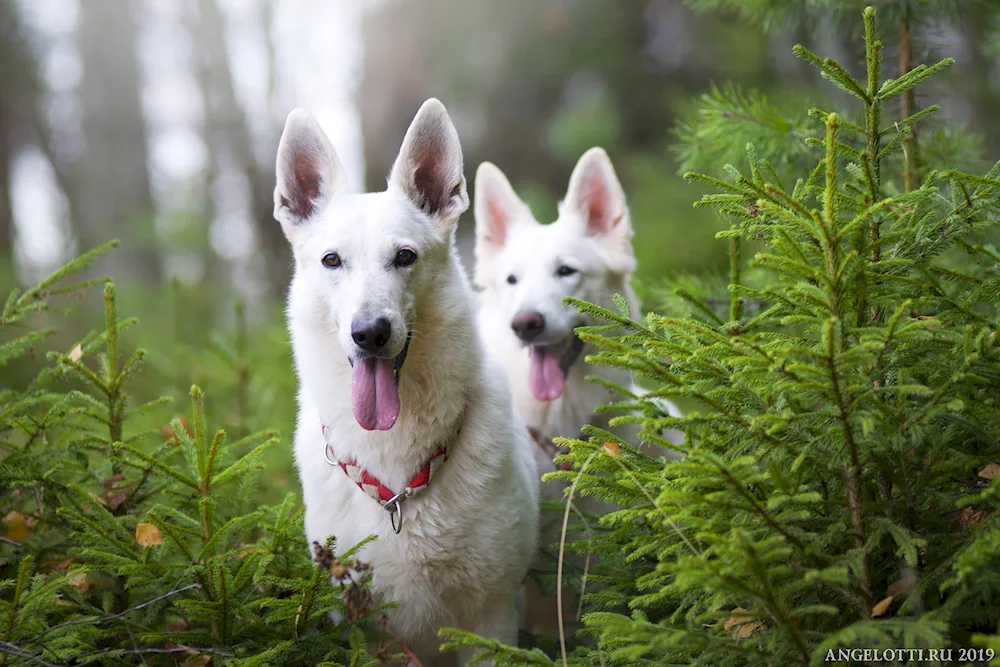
<point x="497" y="206"/>
<point x="428" y="170"/>
<point x="596" y="197"/>
<point x="595" y="193"/>
<point x="308" y="171"/>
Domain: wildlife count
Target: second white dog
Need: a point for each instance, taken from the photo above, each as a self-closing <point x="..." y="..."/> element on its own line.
<point x="526" y="269"/>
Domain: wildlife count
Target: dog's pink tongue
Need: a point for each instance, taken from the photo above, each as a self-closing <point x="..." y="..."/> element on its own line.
<point x="374" y="395"/>
<point x="545" y="376"/>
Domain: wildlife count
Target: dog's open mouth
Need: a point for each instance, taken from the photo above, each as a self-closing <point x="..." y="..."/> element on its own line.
<point x="375" y="389"/>
<point x="550" y="365"/>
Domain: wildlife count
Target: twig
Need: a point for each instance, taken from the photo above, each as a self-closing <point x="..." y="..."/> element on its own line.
<point x="16" y="651"/>
<point x="153" y="651"/>
<point x="13" y="543"/>
<point x="413" y="658"/>
<point x="562" y="552"/>
<point x="111" y="617"/>
<point x="586" y="564"/>
<point x="852" y="479"/>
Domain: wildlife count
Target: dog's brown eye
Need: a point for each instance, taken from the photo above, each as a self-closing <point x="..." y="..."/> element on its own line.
<point x="331" y="260"/>
<point x="405" y="257"/>
<point x="564" y="271"/>
<point x="512" y="279"/>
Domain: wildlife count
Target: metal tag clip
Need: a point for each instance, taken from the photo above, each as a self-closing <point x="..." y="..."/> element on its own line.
<point x="394" y="506"/>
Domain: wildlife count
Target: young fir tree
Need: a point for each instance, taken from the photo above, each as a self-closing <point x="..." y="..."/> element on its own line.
<point x="840" y="484"/>
<point x="126" y="543"/>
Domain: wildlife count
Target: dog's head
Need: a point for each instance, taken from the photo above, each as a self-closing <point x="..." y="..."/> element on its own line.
<point x="366" y="257"/>
<point x="528" y="268"/>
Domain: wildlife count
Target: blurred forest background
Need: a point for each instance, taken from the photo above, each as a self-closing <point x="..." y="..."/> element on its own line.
<point x="156" y="122"/>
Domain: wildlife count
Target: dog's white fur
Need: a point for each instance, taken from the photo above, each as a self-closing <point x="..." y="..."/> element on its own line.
<point x="593" y="236"/>
<point x="466" y="541"/>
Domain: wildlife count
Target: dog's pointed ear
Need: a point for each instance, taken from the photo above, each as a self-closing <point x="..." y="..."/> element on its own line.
<point x="596" y="194"/>
<point x="497" y="206"/>
<point x="308" y="172"/>
<point x="428" y="170"/>
<point x="498" y="209"/>
<point x="595" y="197"/>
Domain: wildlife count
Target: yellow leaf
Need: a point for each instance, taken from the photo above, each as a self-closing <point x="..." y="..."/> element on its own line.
<point x="148" y="535"/>
<point x="882" y="607"/>
<point x="991" y="471"/>
<point x="16" y="525"/>
<point x="612" y="449"/>
<point x="198" y="661"/>
<point x="76" y="352"/>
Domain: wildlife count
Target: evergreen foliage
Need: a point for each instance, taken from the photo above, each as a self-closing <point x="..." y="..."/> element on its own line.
<point x="839" y="487"/>
<point x="133" y="545"/>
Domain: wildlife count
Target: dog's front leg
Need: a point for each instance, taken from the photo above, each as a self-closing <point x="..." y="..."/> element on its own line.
<point x="500" y="625"/>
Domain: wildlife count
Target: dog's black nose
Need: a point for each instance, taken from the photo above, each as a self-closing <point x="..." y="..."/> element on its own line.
<point x="370" y="333"/>
<point x="527" y="325"/>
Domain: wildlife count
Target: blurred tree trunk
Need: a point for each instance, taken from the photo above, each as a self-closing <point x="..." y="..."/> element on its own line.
<point x="227" y="133"/>
<point x="110" y="194"/>
<point x="18" y="99"/>
<point x="979" y="30"/>
<point x="6" y="205"/>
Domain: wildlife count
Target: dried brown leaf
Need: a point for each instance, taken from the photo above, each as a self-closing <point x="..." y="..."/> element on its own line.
<point x="992" y="471"/>
<point x="970" y="517"/>
<point x="736" y="618"/>
<point x="148" y="535"/>
<point x="79" y="581"/>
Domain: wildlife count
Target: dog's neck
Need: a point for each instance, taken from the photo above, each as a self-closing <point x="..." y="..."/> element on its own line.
<point x="436" y="382"/>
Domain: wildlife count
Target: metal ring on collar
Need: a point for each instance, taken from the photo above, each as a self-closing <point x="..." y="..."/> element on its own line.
<point x="394" y="506"/>
<point x="326" y="454"/>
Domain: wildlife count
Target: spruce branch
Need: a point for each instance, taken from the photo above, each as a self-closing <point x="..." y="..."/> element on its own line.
<point x="852" y="471"/>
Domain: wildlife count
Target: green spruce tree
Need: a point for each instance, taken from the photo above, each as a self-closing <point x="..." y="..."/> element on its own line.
<point x="839" y="486"/>
<point x="127" y="543"/>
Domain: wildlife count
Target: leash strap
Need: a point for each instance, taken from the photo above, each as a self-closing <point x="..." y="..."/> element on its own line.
<point x="550" y="448"/>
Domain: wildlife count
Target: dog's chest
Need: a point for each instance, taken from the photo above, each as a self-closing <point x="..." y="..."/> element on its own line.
<point x="565" y="416"/>
<point x="423" y="559"/>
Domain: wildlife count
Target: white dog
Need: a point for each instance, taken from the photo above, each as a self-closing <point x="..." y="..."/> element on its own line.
<point x="524" y="270"/>
<point x="405" y="429"/>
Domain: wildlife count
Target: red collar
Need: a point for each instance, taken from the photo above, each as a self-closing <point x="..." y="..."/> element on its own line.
<point x="549" y="447"/>
<point x="386" y="497"/>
